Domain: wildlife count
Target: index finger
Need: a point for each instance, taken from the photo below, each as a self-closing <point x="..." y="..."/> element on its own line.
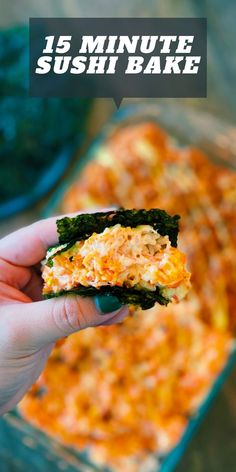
<point x="28" y="246"/>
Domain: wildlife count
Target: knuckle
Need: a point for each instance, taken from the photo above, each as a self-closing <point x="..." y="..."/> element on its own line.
<point x="69" y="317"/>
<point x="12" y="336"/>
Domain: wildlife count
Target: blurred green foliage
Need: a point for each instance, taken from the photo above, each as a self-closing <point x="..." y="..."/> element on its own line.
<point x="32" y="130"/>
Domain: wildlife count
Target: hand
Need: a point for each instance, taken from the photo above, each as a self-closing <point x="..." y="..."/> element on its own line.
<point x="29" y="326"/>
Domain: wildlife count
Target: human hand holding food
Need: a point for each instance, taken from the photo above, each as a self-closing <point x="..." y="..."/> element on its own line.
<point x="29" y="326"/>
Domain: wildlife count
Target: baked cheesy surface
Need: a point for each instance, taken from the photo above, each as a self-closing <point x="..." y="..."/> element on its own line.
<point x="126" y="392"/>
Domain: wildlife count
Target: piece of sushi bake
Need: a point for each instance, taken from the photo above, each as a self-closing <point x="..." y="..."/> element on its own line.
<point x="131" y="254"/>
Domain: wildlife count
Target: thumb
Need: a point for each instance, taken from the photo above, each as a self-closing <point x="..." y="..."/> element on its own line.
<point x="34" y="325"/>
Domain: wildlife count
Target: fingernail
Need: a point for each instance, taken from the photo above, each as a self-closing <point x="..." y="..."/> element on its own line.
<point x="107" y="304"/>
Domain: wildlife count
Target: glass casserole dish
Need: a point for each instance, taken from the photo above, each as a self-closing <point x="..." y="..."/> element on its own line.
<point x="185" y="127"/>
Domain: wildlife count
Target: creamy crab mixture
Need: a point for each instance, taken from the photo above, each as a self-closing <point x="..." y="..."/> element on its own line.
<point x="119" y="256"/>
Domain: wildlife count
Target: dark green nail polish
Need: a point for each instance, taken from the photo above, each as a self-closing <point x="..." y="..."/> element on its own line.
<point x="107" y="303"/>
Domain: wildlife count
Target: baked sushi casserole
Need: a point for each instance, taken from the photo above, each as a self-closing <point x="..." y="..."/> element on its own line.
<point x="127" y="391"/>
<point x="131" y="254"/>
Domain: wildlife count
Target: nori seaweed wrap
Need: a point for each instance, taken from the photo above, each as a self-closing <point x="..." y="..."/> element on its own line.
<point x="130" y="254"/>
